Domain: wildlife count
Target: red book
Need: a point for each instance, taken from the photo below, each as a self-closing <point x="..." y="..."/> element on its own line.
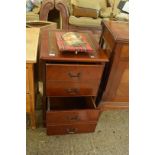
<point x="73" y="42"/>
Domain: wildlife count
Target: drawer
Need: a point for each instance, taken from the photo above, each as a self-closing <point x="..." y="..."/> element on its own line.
<point x="73" y="72"/>
<point x="70" y="129"/>
<point x="67" y="110"/>
<point x="28" y="108"/>
<point x="63" y="88"/>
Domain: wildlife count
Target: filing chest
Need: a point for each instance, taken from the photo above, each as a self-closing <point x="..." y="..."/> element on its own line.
<point x="70" y="86"/>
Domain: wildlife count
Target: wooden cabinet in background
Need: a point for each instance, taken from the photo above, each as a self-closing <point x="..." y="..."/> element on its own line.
<point x="32" y="37"/>
<point x="30" y="93"/>
<point x="115" y="80"/>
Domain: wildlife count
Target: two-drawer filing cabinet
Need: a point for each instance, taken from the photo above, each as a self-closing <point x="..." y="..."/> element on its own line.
<point x="70" y="87"/>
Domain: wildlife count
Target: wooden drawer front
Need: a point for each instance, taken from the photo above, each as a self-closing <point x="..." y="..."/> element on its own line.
<point x="70" y="129"/>
<point x="28" y="102"/>
<point x="66" y="110"/>
<point x="72" y="116"/>
<point x="72" y="88"/>
<point x="72" y="72"/>
<point x="27" y="80"/>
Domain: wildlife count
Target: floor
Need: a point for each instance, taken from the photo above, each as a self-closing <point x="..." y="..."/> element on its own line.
<point x="110" y="138"/>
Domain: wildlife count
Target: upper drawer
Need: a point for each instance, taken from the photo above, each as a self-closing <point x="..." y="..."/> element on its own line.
<point x="73" y="72"/>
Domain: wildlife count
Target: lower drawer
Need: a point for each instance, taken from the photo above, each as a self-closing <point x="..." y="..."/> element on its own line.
<point x="71" y="128"/>
<point x="68" y="110"/>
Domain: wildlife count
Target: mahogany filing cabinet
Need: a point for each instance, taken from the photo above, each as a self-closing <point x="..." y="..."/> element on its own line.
<point x="70" y="86"/>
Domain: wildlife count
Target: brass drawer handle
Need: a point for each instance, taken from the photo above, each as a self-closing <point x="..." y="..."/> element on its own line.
<point x="72" y="90"/>
<point x="73" y="75"/>
<point x="73" y="118"/>
<point x="71" y="130"/>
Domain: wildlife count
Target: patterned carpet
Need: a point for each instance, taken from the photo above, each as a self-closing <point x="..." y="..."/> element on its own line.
<point x="110" y="138"/>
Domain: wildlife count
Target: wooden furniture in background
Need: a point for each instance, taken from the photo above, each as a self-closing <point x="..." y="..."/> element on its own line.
<point x="70" y="86"/>
<point x="63" y="7"/>
<point x="46" y="7"/>
<point x="115" y="81"/>
<point x="41" y="25"/>
<point x="32" y="37"/>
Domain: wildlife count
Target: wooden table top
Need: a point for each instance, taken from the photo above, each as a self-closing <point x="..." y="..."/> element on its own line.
<point x="118" y="29"/>
<point x="32" y="38"/>
<point x="49" y="50"/>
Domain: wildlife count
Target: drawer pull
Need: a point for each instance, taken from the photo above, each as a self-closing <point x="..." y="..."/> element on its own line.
<point x="72" y="75"/>
<point x="73" y="118"/>
<point x="71" y="130"/>
<point x="72" y="90"/>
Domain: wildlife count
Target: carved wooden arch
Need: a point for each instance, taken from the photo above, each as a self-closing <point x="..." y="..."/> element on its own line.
<point x="46" y="7"/>
<point x="61" y="6"/>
